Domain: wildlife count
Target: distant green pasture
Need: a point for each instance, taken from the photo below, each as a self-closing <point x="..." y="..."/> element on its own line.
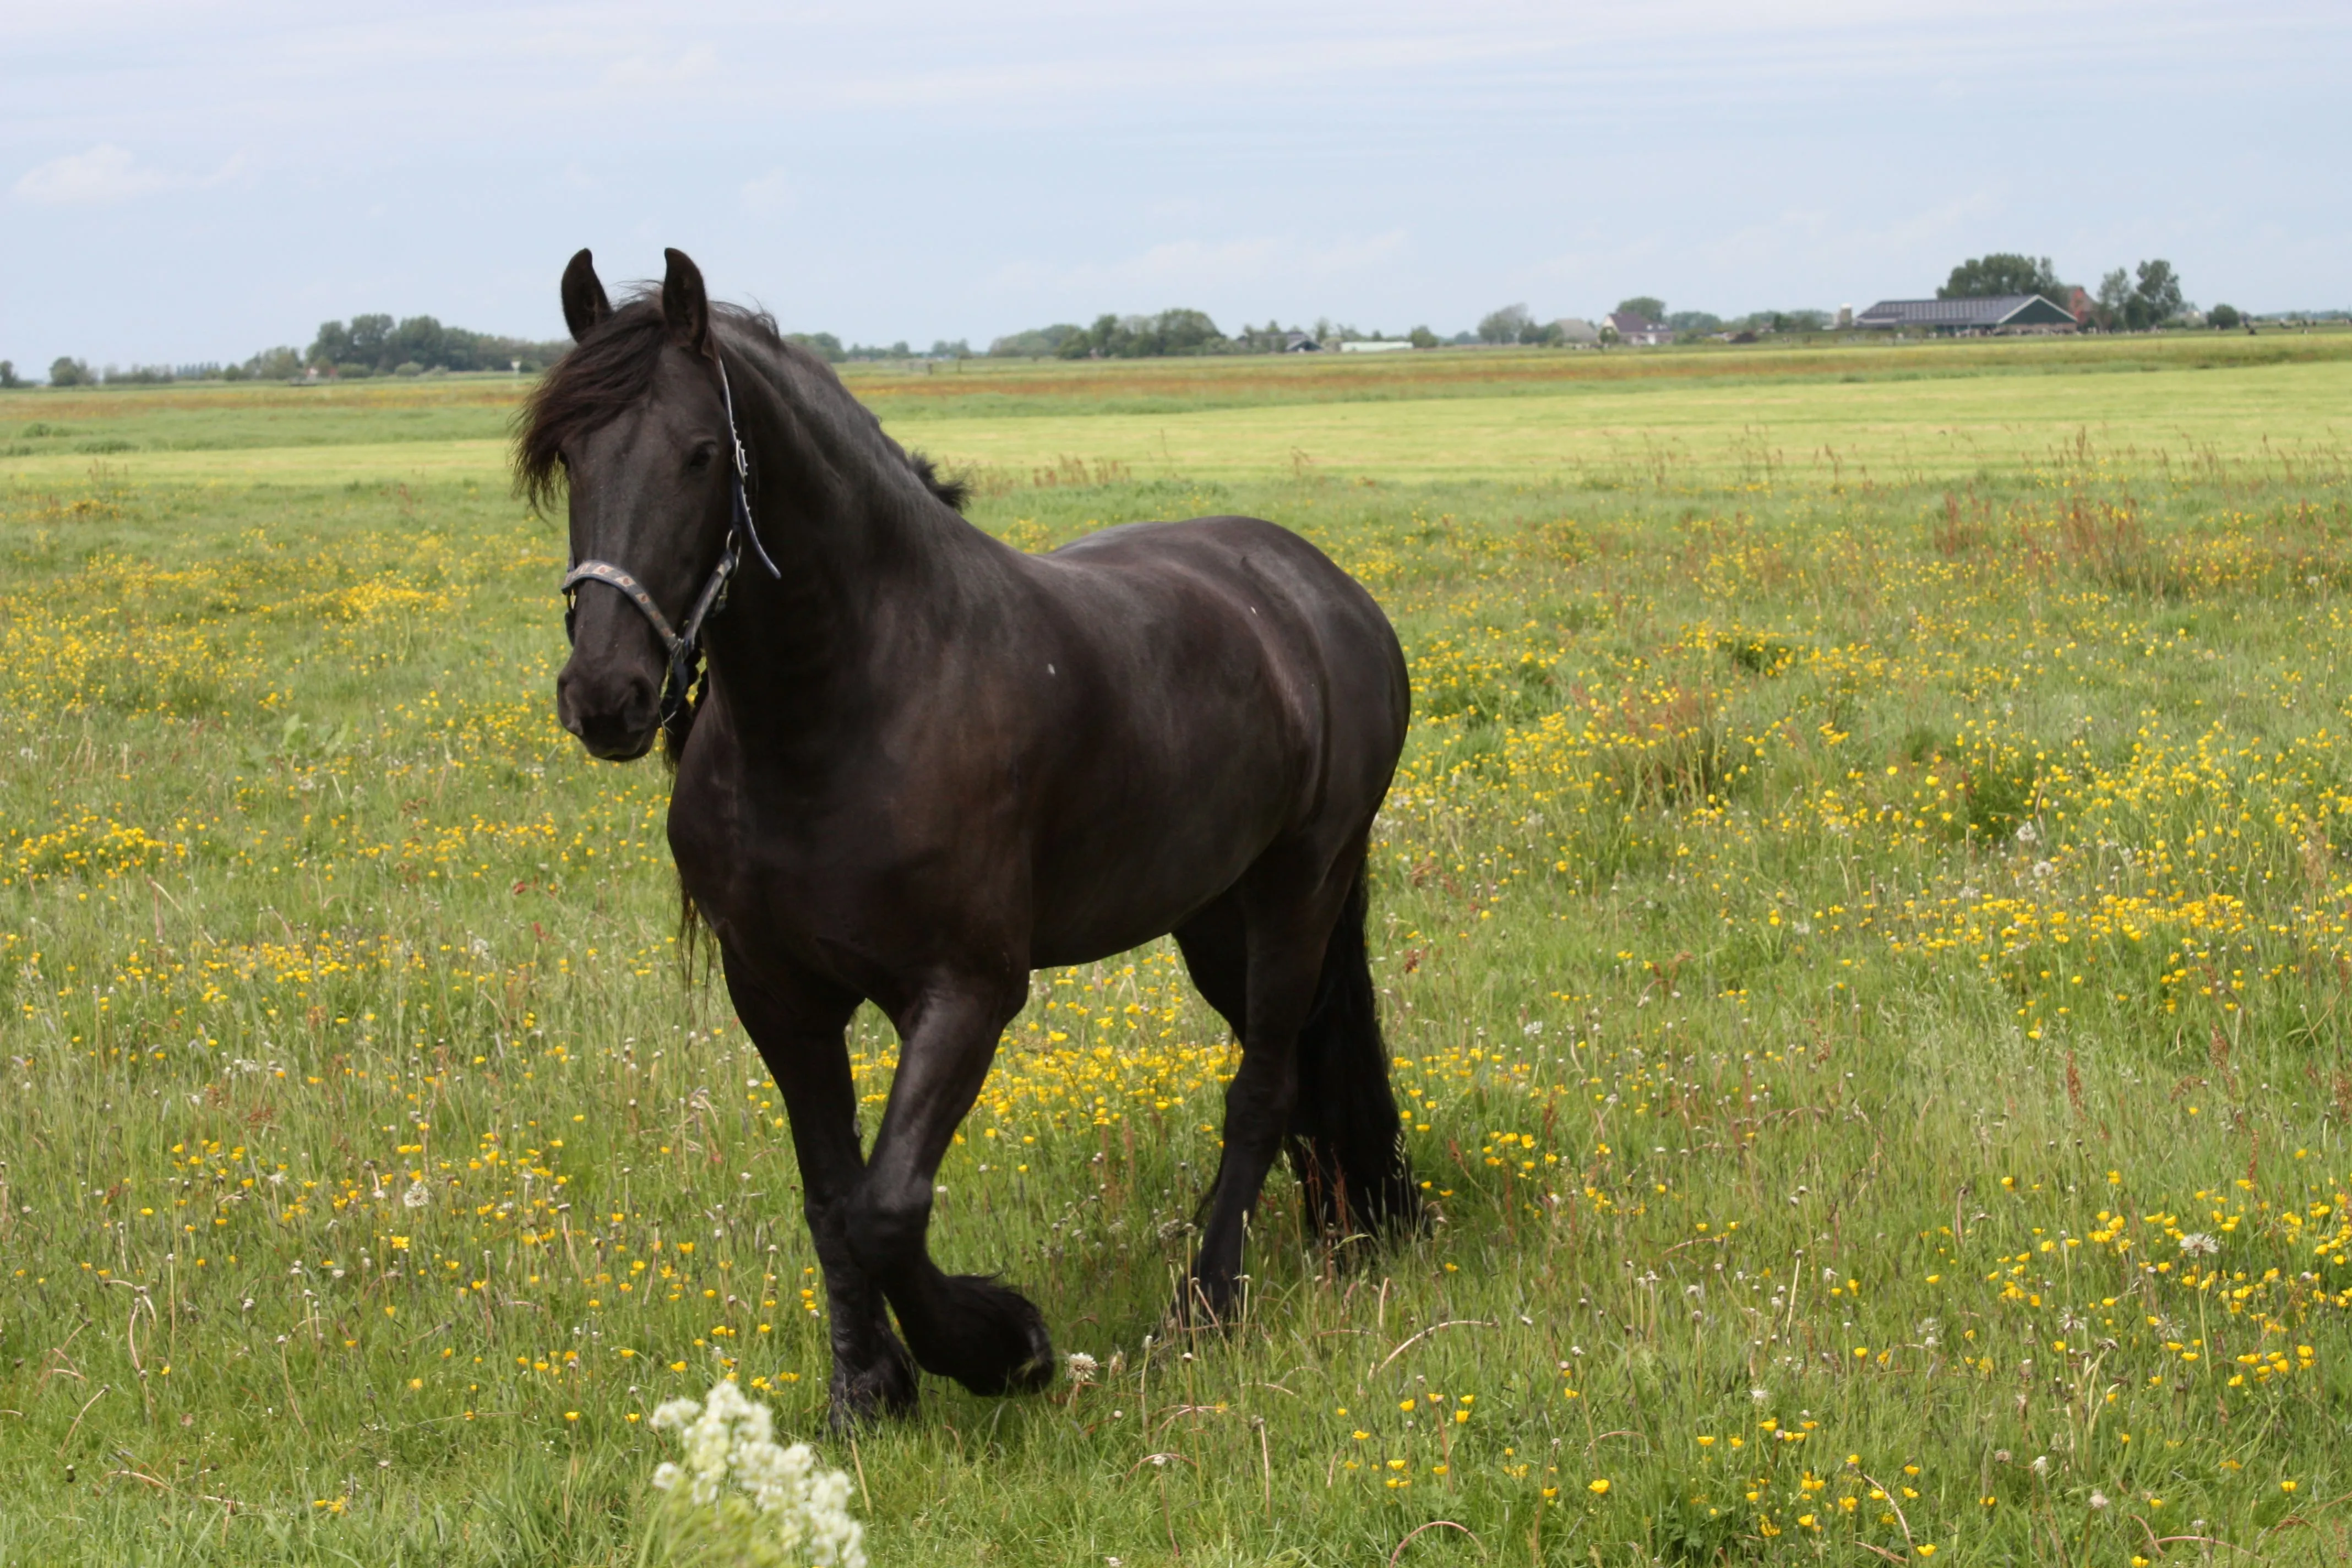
<point x="1871" y="425"/>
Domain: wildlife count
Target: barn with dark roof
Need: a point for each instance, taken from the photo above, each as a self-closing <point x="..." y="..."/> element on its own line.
<point x="1998" y="313"/>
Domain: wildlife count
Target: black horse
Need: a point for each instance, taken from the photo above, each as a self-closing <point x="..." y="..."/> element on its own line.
<point x="924" y="763"/>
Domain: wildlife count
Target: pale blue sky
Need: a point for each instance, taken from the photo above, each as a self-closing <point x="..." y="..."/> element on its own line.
<point x="196" y="181"/>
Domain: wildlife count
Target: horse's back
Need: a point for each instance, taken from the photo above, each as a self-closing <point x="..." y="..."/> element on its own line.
<point x="1260" y="568"/>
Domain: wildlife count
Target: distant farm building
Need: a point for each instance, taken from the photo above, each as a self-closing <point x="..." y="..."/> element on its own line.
<point x="1577" y="330"/>
<point x="1299" y="344"/>
<point x="1373" y="345"/>
<point x="1999" y="314"/>
<point x="1639" y="329"/>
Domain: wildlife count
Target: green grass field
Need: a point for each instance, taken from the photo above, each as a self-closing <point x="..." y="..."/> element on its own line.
<point x="1864" y="923"/>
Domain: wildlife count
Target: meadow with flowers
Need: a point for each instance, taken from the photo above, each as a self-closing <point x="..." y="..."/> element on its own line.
<point x="1865" y="930"/>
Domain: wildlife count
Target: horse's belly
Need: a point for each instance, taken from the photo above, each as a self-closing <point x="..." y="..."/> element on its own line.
<point x="1125" y="875"/>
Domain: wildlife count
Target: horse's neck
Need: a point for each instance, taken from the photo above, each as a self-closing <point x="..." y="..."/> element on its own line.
<point x="860" y="546"/>
<point x="802" y="643"/>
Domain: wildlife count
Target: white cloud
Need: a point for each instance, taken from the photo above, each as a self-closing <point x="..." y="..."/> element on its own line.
<point x="107" y="173"/>
<point x="104" y="174"/>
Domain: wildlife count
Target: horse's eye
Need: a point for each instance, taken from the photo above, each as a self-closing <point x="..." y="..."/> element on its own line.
<point x="702" y="458"/>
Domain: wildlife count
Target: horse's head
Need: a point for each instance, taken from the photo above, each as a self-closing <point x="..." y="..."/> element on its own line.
<point x="635" y="420"/>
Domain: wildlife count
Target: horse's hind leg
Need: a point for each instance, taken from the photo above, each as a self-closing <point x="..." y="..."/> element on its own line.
<point x="1215" y="943"/>
<point x="801" y="1041"/>
<point x="990" y="1339"/>
<point x="1286" y="919"/>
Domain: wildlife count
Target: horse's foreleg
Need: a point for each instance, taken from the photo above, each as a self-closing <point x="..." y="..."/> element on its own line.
<point x="990" y="1339"/>
<point x="801" y="1041"/>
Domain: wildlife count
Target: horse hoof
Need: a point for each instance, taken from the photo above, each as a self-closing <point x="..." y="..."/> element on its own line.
<point x="1028" y="1349"/>
<point x="1004" y="1347"/>
<point x="1034" y="1371"/>
<point x="865" y="1398"/>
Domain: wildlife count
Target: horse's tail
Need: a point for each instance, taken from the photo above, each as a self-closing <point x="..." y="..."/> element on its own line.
<point x="1345" y="1138"/>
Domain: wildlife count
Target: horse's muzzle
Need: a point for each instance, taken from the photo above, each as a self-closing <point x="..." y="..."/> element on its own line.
<point x="616" y="717"/>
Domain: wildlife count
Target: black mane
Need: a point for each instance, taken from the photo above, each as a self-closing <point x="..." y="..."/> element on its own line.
<point x="952" y="489"/>
<point x="612" y="370"/>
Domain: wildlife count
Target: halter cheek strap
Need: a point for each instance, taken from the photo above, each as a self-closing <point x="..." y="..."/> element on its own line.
<point x="742" y="474"/>
<point x="684" y="644"/>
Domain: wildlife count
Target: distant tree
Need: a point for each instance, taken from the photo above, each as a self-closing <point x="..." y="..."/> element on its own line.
<point x="2155" y="298"/>
<point x="822" y="344"/>
<point x="1504" y="326"/>
<point x="370" y="336"/>
<point x="1037" y="342"/>
<point x="1088" y="342"/>
<point x="2223" y="318"/>
<point x="8" y="374"/>
<point x="944" y="348"/>
<point x="1647" y="306"/>
<point x="377" y="346"/>
<point x="1608" y="334"/>
<point x="1184" y="333"/>
<point x="1174" y="331"/>
<point x="1422" y="338"/>
<point x="2002" y="272"/>
<point x="332" y="346"/>
<point x="281" y="364"/>
<point x="64" y="372"/>
<point x="2110" y="306"/>
<point x="1693" y="321"/>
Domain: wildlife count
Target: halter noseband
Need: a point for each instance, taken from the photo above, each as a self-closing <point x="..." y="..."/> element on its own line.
<point x="684" y="643"/>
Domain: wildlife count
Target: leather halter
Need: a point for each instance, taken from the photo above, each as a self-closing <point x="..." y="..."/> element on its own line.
<point x="683" y="643"/>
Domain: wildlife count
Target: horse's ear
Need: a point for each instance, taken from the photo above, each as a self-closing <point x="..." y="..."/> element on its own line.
<point x="584" y="305"/>
<point x="685" y="306"/>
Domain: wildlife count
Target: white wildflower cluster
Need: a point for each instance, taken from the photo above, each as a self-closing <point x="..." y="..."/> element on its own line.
<point x="733" y="1465"/>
